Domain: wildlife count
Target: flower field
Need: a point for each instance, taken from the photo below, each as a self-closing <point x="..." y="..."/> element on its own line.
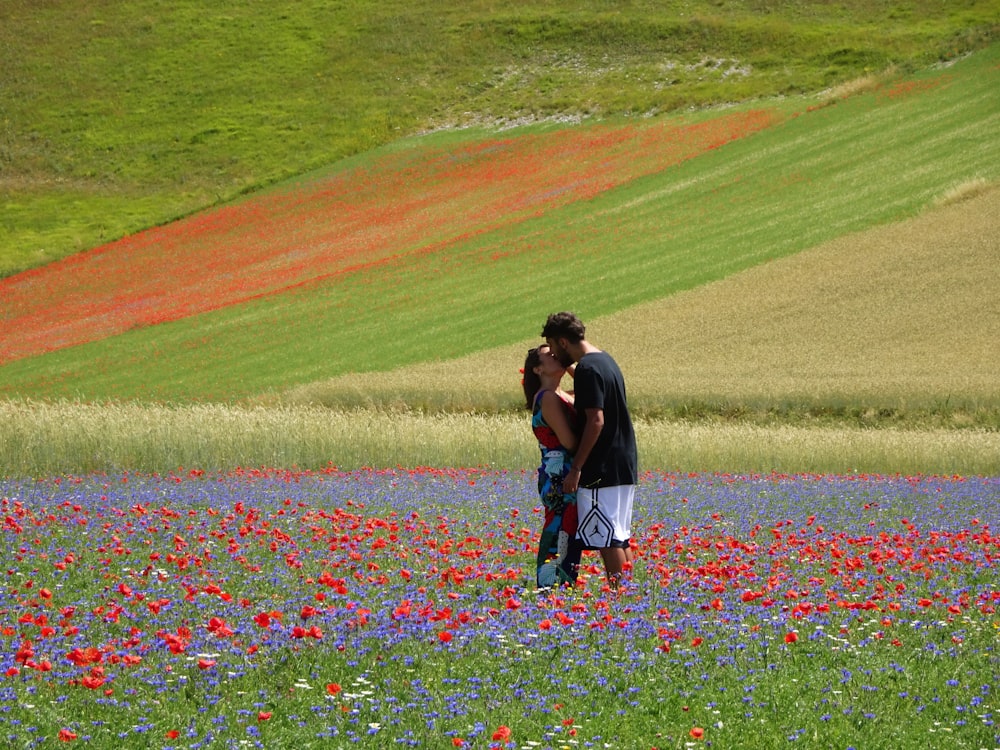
<point x="394" y="608"/>
<point x="422" y="199"/>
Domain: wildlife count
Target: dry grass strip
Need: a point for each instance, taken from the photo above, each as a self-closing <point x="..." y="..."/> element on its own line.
<point x="44" y="439"/>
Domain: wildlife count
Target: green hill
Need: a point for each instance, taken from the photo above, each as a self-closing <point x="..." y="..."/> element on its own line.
<point x="116" y="116"/>
<point x="464" y="282"/>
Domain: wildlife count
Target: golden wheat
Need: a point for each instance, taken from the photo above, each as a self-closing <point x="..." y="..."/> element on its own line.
<point x="42" y="438"/>
<point x="862" y="85"/>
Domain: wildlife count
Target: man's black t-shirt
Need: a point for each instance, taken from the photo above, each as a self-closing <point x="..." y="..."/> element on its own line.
<point x="599" y="384"/>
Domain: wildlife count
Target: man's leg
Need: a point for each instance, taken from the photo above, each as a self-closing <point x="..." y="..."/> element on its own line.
<point x="619" y="556"/>
<point x="614" y="559"/>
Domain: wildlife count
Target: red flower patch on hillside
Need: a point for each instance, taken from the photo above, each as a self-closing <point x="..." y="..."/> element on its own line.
<point x="901" y="89"/>
<point x="403" y="203"/>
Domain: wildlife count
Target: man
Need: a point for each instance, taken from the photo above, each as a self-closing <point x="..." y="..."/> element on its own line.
<point x="604" y="471"/>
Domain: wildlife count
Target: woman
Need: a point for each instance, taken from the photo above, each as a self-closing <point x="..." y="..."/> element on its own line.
<point x="552" y="419"/>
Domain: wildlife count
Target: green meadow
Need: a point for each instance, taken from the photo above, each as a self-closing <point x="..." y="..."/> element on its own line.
<point x="831" y="271"/>
<point x="119" y="116"/>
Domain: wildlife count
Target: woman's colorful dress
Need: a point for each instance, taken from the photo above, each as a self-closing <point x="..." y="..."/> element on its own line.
<point x="559" y="552"/>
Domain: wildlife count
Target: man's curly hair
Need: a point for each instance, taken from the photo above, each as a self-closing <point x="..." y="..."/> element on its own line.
<point x="564" y="325"/>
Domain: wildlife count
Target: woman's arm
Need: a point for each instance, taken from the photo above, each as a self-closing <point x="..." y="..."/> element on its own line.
<point x="554" y="412"/>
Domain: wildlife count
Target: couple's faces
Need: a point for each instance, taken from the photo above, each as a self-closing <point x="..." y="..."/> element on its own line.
<point x="547" y="362"/>
<point x="559" y="352"/>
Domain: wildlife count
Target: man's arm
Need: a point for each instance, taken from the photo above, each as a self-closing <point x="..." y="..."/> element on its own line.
<point x="591" y="431"/>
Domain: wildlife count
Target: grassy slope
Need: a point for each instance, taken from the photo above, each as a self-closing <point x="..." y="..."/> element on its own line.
<point x="120" y="115"/>
<point x="877" y="157"/>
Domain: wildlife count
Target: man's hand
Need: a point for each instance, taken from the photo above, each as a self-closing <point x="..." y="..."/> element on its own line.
<point x="572" y="480"/>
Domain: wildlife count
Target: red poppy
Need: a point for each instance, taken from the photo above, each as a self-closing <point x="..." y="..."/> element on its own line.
<point x="25" y="652"/>
<point x="218" y="627"/>
<point x="791" y="637"/>
<point x="263" y="715"/>
<point x="206" y="663"/>
<point x="65" y="735"/>
<point x="502" y="734"/>
<point x="697" y="732"/>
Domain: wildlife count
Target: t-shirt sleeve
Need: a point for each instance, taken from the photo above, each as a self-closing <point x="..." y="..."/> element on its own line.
<point x="588" y="390"/>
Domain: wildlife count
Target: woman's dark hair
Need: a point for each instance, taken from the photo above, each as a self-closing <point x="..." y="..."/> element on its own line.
<point x="531" y="381"/>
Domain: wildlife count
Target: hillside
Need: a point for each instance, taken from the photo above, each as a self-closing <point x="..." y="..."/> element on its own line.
<point x="467" y="240"/>
<point x="118" y="116"/>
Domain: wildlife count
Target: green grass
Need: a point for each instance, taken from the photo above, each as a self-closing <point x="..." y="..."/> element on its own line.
<point x="119" y="116"/>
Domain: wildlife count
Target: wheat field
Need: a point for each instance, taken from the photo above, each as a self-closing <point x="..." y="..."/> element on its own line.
<point x="46" y="439"/>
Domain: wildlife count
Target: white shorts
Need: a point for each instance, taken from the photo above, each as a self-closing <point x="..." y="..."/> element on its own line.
<point x="605" y="515"/>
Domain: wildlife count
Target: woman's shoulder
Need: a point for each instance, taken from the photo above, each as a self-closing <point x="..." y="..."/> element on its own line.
<point x="549" y="394"/>
<point x="540" y="398"/>
<point x="554" y="397"/>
